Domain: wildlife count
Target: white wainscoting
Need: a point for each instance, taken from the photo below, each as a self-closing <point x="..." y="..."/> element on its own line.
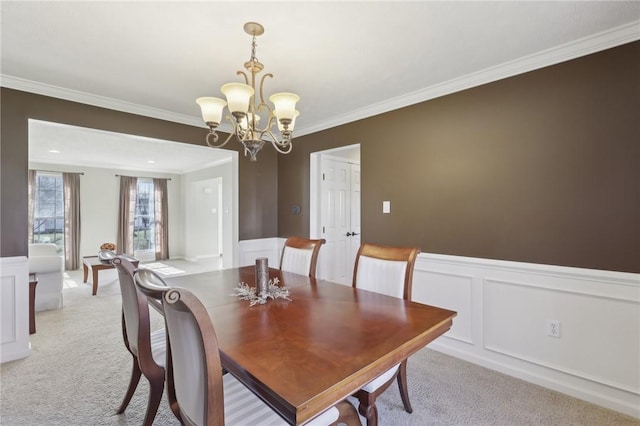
<point x="250" y="250"/>
<point x="503" y="310"/>
<point x="14" y="308"/>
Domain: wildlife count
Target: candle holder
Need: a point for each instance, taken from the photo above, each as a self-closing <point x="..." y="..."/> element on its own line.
<point x="262" y="276"/>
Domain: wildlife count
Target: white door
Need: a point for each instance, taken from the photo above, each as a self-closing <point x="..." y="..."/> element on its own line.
<point x="354" y="239"/>
<point x="340" y="219"/>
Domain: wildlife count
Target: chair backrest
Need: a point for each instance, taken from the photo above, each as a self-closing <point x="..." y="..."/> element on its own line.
<point x="106" y="255"/>
<point x="300" y="255"/>
<point x="135" y="309"/>
<point x="386" y="270"/>
<point x="194" y="370"/>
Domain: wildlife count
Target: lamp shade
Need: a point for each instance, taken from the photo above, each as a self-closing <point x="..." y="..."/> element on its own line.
<point x="284" y="105"/>
<point x="291" y="125"/>
<point x="211" y="109"/>
<point x="238" y="96"/>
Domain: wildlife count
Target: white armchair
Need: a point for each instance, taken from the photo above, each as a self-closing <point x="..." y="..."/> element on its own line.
<point x="48" y="265"/>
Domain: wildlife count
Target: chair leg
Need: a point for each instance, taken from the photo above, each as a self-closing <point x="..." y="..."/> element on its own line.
<point x="133" y="384"/>
<point x="367" y="407"/>
<point x="155" y="396"/>
<point x="402" y="384"/>
<point x="348" y="414"/>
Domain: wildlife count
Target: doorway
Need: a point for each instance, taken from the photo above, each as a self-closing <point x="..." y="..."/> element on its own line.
<point x="60" y="147"/>
<point x="335" y="210"/>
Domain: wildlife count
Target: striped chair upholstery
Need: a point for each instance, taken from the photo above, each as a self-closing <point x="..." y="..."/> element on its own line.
<point x="386" y="270"/>
<point x="196" y="388"/>
<point x="147" y="348"/>
<point x="300" y="255"/>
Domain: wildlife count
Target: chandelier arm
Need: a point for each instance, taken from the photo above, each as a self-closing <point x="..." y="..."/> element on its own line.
<point x="284" y="146"/>
<point x="263" y="106"/>
<point x="246" y="78"/>
<point x="262" y="85"/>
<point x="286" y="150"/>
<point x="213" y="144"/>
<point x="213" y="133"/>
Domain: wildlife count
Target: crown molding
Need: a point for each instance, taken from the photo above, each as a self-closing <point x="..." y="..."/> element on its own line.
<point x="562" y="53"/>
<point x="585" y="46"/>
<point x="44" y="89"/>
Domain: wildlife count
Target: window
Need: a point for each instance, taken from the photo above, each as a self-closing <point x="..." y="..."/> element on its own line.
<point x="48" y="212"/>
<point x="144" y="228"/>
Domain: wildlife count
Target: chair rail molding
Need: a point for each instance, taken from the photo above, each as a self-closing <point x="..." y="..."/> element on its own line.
<point x="14" y="308"/>
<point x="505" y="311"/>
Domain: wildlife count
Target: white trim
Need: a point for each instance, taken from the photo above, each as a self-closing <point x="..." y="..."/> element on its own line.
<point x="250" y="250"/>
<point x="14" y="308"/>
<point x="557" y="384"/>
<point x="600" y="308"/>
<point x="582" y="47"/>
<point x="44" y="89"/>
<point x="575" y="49"/>
<point x="596" y="275"/>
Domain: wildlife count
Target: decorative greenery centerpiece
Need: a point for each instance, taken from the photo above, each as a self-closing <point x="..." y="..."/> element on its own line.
<point x="244" y="292"/>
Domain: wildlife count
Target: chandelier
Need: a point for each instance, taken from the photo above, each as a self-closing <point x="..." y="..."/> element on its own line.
<point x="243" y="105"/>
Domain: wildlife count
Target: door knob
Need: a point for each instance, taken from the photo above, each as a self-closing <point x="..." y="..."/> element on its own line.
<point x="348" y="234"/>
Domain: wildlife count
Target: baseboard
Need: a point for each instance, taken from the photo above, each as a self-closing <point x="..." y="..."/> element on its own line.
<point x="601" y="398"/>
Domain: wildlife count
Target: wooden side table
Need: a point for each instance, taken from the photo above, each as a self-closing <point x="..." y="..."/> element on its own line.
<point x="94" y="264"/>
<point x="33" y="282"/>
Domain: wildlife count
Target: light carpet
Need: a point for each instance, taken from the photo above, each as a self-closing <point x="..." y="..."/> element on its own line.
<point x="79" y="369"/>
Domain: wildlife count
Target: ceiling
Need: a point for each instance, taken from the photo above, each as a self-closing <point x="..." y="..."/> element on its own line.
<point x="346" y="60"/>
<point x="55" y="143"/>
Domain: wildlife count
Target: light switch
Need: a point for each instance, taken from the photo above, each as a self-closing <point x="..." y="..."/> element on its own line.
<point x="386" y="207"/>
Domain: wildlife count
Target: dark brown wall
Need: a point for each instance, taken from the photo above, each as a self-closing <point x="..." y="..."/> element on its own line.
<point x="543" y="167"/>
<point x="258" y="181"/>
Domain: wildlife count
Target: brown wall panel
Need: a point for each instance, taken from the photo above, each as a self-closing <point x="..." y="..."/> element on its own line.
<point x="541" y="168"/>
<point x="258" y="181"/>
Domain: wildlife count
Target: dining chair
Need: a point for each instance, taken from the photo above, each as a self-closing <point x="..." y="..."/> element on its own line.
<point x="198" y="392"/>
<point x="146" y="347"/>
<point x="106" y="256"/>
<point x="386" y="270"/>
<point x="300" y="255"/>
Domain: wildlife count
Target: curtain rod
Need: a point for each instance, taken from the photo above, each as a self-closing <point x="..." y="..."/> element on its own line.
<point x="57" y="171"/>
<point x="143" y="177"/>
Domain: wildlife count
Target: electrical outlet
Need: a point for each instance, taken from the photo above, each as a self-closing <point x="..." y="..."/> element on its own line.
<point x="553" y="328"/>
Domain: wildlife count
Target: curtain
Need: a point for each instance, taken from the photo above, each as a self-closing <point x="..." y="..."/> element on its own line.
<point x="161" y="212"/>
<point x="71" y="188"/>
<point x="32" y="202"/>
<point x="126" y="214"/>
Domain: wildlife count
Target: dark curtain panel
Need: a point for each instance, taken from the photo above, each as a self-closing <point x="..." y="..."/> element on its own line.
<point x="126" y="214"/>
<point x="71" y="185"/>
<point x="161" y="212"/>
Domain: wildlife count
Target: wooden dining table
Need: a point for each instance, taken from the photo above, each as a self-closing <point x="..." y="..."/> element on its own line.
<point x="304" y="355"/>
